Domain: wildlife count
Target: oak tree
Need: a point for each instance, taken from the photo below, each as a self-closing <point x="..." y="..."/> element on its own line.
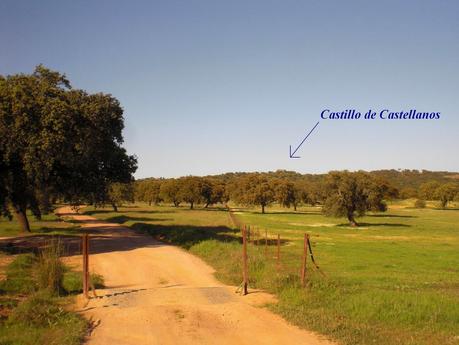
<point x="213" y="192"/>
<point x="120" y="193"/>
<point x="352" y="194"/>
<point x="170" y="191"/>
<point x="57" y="141"/>
<point x="253" y="189"/>
<point x="190" y="190"/>
<point x="287" y="193"/>
<point x="446" y="193"/>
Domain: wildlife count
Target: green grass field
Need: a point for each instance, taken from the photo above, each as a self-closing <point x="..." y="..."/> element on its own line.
<point x="394" y="280"/>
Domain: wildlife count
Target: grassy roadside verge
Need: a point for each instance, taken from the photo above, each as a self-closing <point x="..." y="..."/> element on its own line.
<point x="49" y="224"/>
<point x="392" y="281"/>
<point x="36" y="298"/>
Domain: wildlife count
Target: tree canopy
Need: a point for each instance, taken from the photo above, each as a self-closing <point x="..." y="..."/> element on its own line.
<point x="119" y="193"/>
<point x="56" y="140"/>
<point x="148" y="191"/>
<point x="253" y="189"/>
<point x="170" y="191"/>
<point x="446" y="193"/>
<point x="352" y="194"/>
<point x="190" y="191"/>
<point x="341" y="194"/>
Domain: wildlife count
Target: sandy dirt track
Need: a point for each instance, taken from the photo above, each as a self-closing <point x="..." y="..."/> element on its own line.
<point x="160" y="294"/>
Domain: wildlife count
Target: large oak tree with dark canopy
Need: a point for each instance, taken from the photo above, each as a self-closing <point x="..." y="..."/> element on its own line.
<point x="170" y="191"/>
<point x="213" y="192"/>
<point x="253" y="189"/>
<point x="148" y="191"/>
<point x="190" y="190"/>
<point x="446" y="193"/>
<point x="120" y="193"/>
<point x="57" y="141"/>
<point x="351" y="194"/>
<point x="286" y="193"/>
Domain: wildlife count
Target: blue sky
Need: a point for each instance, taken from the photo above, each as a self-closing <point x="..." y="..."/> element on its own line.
<point x="216" y="86"/>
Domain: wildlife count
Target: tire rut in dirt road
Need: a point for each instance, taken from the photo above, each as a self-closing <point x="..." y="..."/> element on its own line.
<point x="160" y="294"/>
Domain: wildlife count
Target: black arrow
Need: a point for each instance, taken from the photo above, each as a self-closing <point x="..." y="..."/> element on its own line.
<point x="292" y="154"/>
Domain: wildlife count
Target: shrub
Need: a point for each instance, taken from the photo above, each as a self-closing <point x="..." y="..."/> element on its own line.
<point x="420" y="203"/>
<point x="50" y="269"/>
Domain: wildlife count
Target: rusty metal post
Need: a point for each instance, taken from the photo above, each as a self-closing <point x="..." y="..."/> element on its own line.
<point x="87" y="265"/>
<point x="278" y="251"/>
<point x="303" y="260"/>
<point x="245" y="273"/>
<point x="85" y="246"/>
<point x="266" y="242"/>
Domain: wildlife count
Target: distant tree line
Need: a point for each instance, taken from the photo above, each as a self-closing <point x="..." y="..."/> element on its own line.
<point x="190" y="189"/>
<point x="57" y="143"/>
<point x="339" y="193"/>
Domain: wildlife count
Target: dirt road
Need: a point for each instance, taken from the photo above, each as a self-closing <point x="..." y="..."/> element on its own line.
<point x="160" y="294"/>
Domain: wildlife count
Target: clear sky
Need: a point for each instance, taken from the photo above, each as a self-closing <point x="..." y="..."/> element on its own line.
<point x="217" y="86"/>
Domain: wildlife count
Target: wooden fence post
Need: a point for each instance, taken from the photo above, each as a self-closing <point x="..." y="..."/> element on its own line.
<point x="266" y="242"/>
<point x="85" y="246"/>
<point x="304" y="259"/>
<point x="278" y="251"/>
<point x="245" y="273"/>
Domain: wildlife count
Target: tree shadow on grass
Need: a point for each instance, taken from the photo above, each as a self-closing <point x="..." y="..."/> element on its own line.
<point x="188" y="235"/>
<point x="268" y="212"/>
<point x="105" y="239"/>
<point x="108" y="238"/>
<point x="123" y="219"/>
<point x="298" y="213"/>
<point x="202" y="208"/>
<point x="215" y="208"/>
<point x="397" y="225"/>
<point x="100" y="242"/>
<point x="96" y="211"/>
<point x="390" y="216"/>
<point x="64" y="230"/>
<point x="99" y="211"/>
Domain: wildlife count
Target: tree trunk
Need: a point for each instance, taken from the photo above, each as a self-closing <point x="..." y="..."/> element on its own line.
<point x="294" y="207"/>
<point x="149" y="202"/>
<point x="21" y="216"/>
<point x="351" y="219"/>
<point x="263" y="209"/>
<point x="115" y="208"/>
<point x="207" y="205"/>
<point x="44" y="201"/>
<point x="444" y="202"/>
<point x="191" y="205"/>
